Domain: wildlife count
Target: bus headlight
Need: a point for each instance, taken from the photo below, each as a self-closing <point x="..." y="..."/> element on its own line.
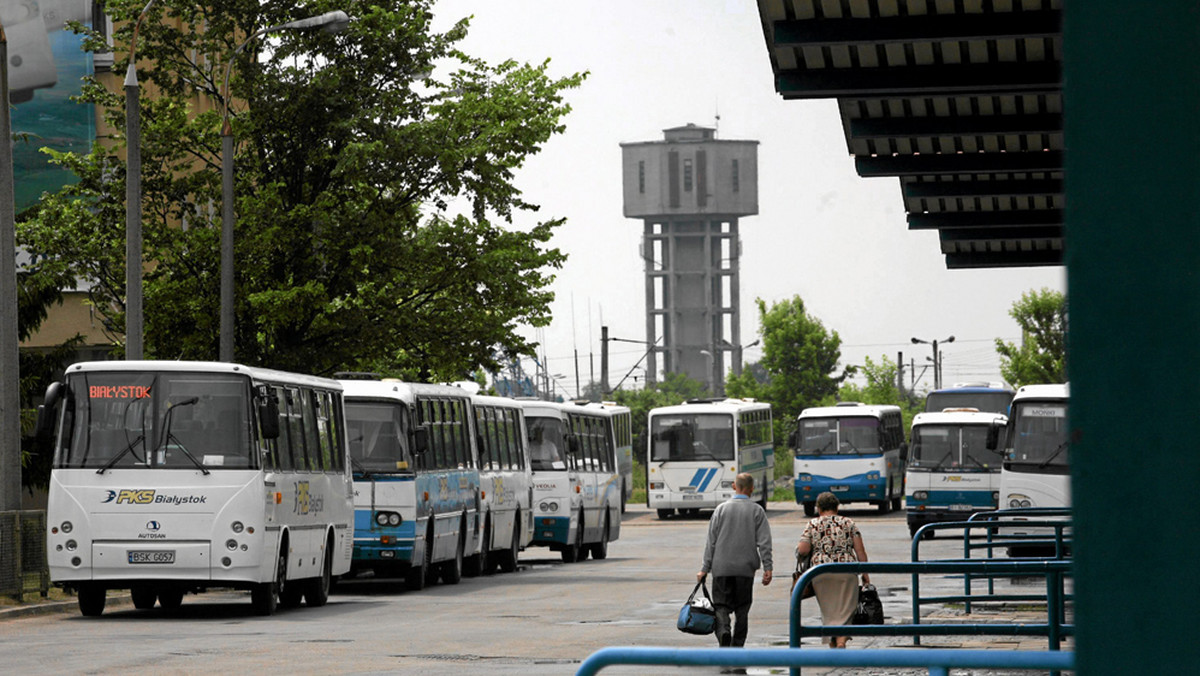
<point x="67" y="526"/>
<point x="872" y="476"/>
<point x="1018" y="500"/>
<point x="726" y="485"/>
<point x="388" y="518"/>
<point x="804" y="477"/>
<point x="920" y="495"/>
<point x="231" y="545"/>
<point x="549" y="506"/>
<point x="656" y="485"/>
<point x="237" y="526"/>
<point x="71" y="546"/>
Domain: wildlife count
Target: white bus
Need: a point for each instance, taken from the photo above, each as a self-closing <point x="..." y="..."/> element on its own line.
<point x="697" y="448"/>
<point x="507" y="482"/>
<point x="576" y="482"/>
<point x="1035" y="471"/>
<point x="622" y="424"/>
<point x="174" y="477"/>
<point x="855" y="451"/>
<point x="951" y="472"/>
<point x="416" y="480"/>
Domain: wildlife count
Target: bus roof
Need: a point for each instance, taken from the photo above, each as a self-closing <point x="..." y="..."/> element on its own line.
<point x="712" y="406"/>
<point x="1053" y="391"/>
<point x="395" y="389"/>
<point x="974" y="388"/>
<point x="849" y="410"/>
<point x="605" y="407"/>
<point x="504" y="402"/>
<point x="253" y="372"/>
<point x="951" y="417"/>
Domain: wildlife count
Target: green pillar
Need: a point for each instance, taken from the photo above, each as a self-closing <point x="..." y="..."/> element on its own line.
<point x="1132" y="125"/>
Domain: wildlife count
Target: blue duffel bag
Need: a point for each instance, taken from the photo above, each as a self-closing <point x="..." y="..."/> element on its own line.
<point x="697" y="615"/>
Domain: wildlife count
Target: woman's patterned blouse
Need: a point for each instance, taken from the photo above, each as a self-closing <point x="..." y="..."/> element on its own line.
<point x="832" y="539"/>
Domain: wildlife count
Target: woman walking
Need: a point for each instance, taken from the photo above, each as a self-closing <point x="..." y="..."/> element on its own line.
<point x="834" y="539"/>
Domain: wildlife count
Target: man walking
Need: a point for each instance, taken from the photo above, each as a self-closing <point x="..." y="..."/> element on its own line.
<point x="739" y="539"/>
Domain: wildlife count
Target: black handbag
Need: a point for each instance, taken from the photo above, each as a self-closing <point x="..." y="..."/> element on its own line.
<point x="870" y="608"/>
<point x="697" y="616"/>
<point x="802" y="566"/>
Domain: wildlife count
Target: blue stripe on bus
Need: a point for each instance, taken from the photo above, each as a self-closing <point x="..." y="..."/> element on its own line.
<point x="707" y="478"/>
<point x="697" y="477"/>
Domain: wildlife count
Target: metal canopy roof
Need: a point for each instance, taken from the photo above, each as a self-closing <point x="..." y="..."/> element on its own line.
<point x="959" y="99"/>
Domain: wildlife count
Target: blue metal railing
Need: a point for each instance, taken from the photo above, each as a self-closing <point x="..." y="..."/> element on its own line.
<point x="994" y="538"/>
<point x="1054" y="629"/>
<point x="938" y="661"/>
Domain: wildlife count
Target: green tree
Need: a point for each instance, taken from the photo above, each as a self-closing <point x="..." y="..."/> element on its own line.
<point x="1042" y="355"/>
<point x="349" y="149"/>
<point x="880" y="389"/>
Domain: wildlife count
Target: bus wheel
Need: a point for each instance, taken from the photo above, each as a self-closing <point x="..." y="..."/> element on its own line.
<point x="143" y="596"/>
<point x="290" y="593"/>
<point x="170" y="598"/>
<point x="896" y="504"/>
<point x="264" y="597"/>
<point x="418" y="576"/>
<point x="810" y="508"/>
<point x="575" y="552"/>
<point x="508" y="558"/>
<point x="317" y="592"/>
<point x="600" y="549"/>
<point x="91" y="599"/>
<point x="665" y="514"/>
<point x="885" y="506"/>
<point x="484" y="562"/>
<point x="452" y="569"/>
<point x="622" y="496"/>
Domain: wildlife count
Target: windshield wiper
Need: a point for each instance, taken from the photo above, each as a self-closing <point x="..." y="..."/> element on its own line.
<point x="128" y="449"/>
<point x="359" y="466"/>
<point x="167" y="436"/>
<point x="1061" y="447"/>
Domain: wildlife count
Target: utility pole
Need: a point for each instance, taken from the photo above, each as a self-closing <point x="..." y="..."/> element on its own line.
<point x="604" y="360"/>
<point x="900" y="373"/>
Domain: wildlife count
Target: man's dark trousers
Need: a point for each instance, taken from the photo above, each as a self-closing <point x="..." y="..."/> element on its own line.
<point x="732" y="595"/>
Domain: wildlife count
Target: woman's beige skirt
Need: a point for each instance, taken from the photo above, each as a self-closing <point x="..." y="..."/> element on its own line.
<point x="837" y="594"/>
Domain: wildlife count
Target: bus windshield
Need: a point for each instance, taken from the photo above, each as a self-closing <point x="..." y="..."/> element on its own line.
<point x="547" y="443"/>
<point x="1039" y="435"/>
<point x="958" y="448"/>
<point x="839" y="436"/>
<point x="378" y="437"/>
<point x="159" y="420"/>
<point x="987" y="402"/>
<point x="700" y="436"/>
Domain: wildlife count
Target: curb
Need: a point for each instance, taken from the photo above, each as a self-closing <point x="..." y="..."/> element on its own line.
<point x="55" y="607"/>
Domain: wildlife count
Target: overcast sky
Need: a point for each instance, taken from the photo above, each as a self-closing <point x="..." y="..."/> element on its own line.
<point x="838" y="241"/>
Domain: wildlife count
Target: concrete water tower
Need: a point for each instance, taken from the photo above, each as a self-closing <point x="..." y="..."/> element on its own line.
<point x="689" y="189"/>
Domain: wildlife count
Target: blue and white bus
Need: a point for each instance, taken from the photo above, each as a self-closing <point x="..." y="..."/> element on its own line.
<point x="576" y="478"/>
<point x="416" y="479"/>
<point x="697" y="448"/>
<point x="172" y="477"/>
<point x="853" y="450"/>
<point x="504" y="473"/>
<point x="1036" y="470"/>
<point x="622" y="423"/>
<point x="951" y="472"/>
<point x="987" y="397"/>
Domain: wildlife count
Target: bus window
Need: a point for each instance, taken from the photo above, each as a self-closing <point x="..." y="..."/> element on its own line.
<point x="311" y="437"/>
<point x="547" y="444"/>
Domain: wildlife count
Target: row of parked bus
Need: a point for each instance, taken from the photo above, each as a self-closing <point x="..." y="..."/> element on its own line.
<point x="176" y="477"/>
<point x="975" y="448"/>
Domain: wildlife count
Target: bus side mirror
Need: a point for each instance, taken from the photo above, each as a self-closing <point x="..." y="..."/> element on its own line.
<point x="993" y="436"/>
<point x="45" y="412"/>
<point x="903" y="451"/>
<point x="741" y="435"/>
<point x="420" y="440"/>
<point x="268" y="414"/>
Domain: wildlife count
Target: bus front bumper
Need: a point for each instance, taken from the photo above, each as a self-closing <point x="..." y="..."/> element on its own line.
<point x="850" y="489"/>
<point x="550" y="530"/>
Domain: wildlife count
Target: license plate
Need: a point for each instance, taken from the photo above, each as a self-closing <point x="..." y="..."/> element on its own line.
<point x="693" y="497"/>
<point x="839" y="488"/>
<point x="961" y="508"/>
<point x="157" y="556"/>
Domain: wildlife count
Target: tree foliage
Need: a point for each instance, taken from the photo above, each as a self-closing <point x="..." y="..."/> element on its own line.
<point x="1042" y="355"/>
<point x="800" y="357"/>
<point x="349" y="151"/>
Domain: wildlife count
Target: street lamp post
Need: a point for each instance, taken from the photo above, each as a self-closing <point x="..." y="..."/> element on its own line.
<point x="10" y="357"/>
<point x="133" y="201"/>
<point x="937" y="359"/>
<point x="330" y="21"/>
<point x="712" y="378"/>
